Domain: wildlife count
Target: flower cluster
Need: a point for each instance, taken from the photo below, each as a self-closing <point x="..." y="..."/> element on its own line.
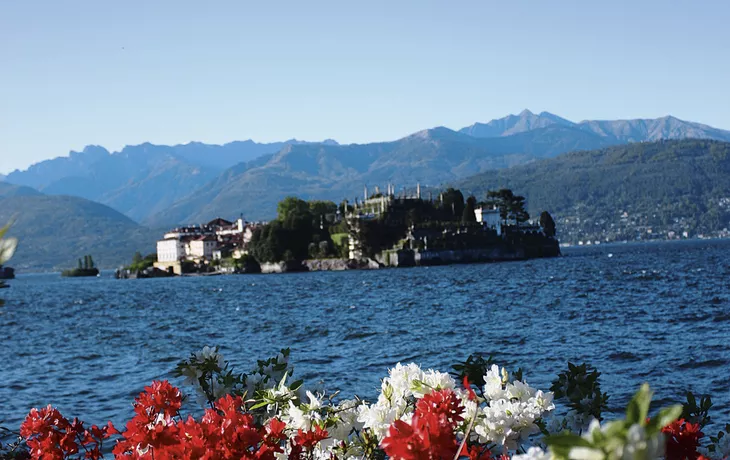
<point x="683" y="440"/>
<point x="398" y="396"/>
<point x="419" y="414"/>
<point x="431" y="431"/>
<point x="226" y="431"/>
<point x="511" y="412"/>
<point x="49" y="435"/>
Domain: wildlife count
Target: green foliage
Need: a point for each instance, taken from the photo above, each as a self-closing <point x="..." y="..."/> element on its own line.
<point x="636" y="435"/>
<point x="291" y="207"/>
<point x="88" y="263"/>
<point x="697" y="412"/>
<point x="247" y="263"/>
<point x="468" y="215"/>
<point x="452" y="202"/>
<point x="474" y="368"/>
<point x="580" y="386"/>
<point x="670" y="185"/>
<point x="547" y="223"/>
<point x="323" y="212"/>
<point x="511" y="206"/>
<point x="140" y="263"/>
<point x="300" y="231"/>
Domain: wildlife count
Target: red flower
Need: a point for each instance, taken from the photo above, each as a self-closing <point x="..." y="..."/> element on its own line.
<point x="683" y="439"/>
<point x="405" y="442"/>
<point x="309" y="439"/>
<point x="160" y="397"/>
<point x="469" y="389"/>
<point x="442" y="403"/>
<point x="430" y="434"/>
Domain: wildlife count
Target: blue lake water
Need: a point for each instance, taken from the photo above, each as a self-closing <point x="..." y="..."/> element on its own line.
<point x="650" y="312"/>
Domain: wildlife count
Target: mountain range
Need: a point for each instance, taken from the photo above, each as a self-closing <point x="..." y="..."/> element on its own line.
<point x="160" y="186"/>
<point x="164" y="185"/>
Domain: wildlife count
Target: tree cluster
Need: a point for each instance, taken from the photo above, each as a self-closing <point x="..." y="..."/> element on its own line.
<point x="87" y="264"/>
<point x="140" y="263"/>
<point x="300" y="231"/>
<point x="511" y="207"/>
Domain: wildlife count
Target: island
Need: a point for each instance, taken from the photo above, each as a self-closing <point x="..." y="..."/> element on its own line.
<point x="142" y="267"/>
<point x="85" y="268"/>
<point x="381" y="229"/>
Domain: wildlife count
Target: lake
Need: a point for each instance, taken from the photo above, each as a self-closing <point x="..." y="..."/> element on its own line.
<point x="655" y="312"/>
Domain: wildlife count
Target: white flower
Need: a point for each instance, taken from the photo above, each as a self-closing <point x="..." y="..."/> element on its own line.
<point x="511" y="411"/>
<point x="519" y="390"/>
<point x="377" y="417"/>
<point x="192" y="375"/>
<point x="208" y="353"/>
<point x="432" y="381"/>
<point x="493" y="383"/>
<point x="297" y="419"/>
<point x="314" y="402"/>
<point x="544" y="401"/>
<point x="347" y="420"/>
<point x="401" y="379"/>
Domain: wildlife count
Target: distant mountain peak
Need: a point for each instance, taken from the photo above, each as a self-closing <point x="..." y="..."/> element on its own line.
<point x="90" y="150"/>
<point x="526" y="113"/>
<point x="435" y="133"/>
<point x="515" y="124"/>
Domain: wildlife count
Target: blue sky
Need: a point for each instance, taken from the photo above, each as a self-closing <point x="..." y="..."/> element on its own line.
<point x="83" y="72"/>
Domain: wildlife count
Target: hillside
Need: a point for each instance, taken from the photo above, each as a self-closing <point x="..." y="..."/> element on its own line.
<point x="620" y="193"/>
<point x="430" y="157"/>
<point x="53" y="231"/>
<point x="336" y="172"/>
<point x="139" y="180"/>
<point x="164" y="185"/>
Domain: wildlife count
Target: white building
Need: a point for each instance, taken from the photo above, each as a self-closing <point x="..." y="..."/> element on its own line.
<point x="201" y="247"/>
<point x="170" y="250"/>
<point x="236" y="228"/>
<point x="490" y="218"/>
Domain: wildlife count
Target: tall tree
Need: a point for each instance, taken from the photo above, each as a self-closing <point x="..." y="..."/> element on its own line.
<point x="510" y="206"/>
<point x="517" y="209"/>
<point x="500" y="199"/>
<point x="469" y="215"/>
<point x="291" y="206"/>
<point x="547" y="223"/>
<point x="453" y="203"/>
<point x="323" y="212"/>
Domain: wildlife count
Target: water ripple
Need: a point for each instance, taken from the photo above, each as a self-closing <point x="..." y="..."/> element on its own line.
<point x="651" y="313"/>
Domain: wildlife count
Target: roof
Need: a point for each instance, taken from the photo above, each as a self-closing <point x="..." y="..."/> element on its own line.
<point x="204" y="238"/>
<point x="219" y="222"/>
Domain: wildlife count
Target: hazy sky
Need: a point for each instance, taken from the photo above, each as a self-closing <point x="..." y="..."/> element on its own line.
<point x="112" y="73"/>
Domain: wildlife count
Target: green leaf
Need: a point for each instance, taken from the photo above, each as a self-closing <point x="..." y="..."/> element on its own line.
<point x="259" y="405"/>
<point x="638" y="408"/>
<point x="664" y="418"/>
<point x="691" y="401"/>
